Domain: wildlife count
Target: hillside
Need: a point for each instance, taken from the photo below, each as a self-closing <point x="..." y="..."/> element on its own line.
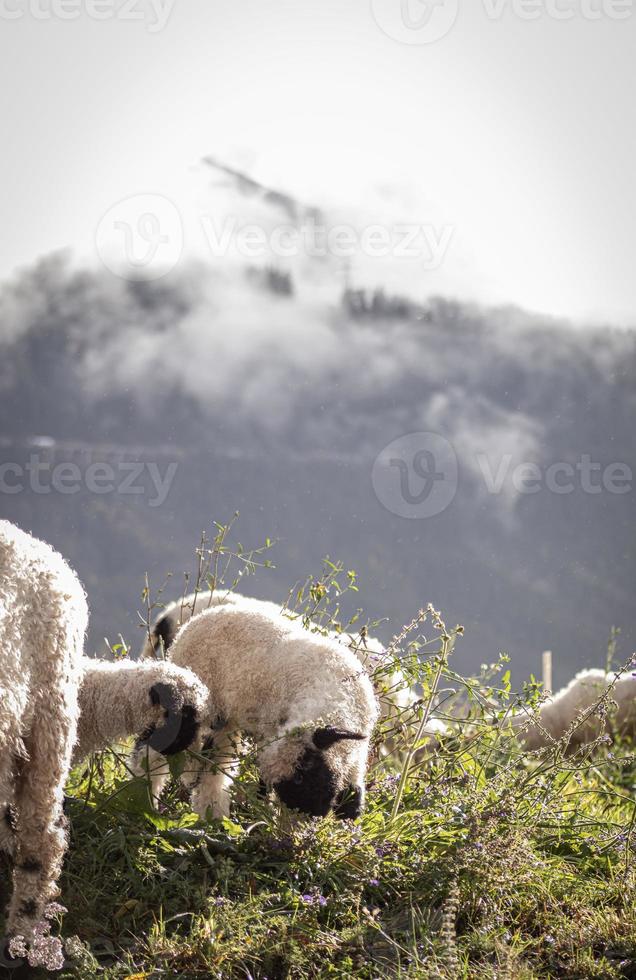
<point x="274" y="403"/>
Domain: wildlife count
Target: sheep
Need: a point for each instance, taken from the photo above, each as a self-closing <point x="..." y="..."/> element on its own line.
<point x="56" y="702"/>
<point x="43" y="618"/>
<point x="302" y="697"/>
<point x="394" y="693"/>
<point x="557" y="714"/>
<point x="156" y="698"/>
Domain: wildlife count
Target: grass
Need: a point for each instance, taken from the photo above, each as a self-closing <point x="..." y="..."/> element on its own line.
<point x="475" y="861"/>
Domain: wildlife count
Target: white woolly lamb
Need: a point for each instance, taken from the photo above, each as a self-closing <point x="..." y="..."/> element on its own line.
<point x="156" y="698"/>
<point x="557" y="714"/>
<point x="395" y="696"/>
<point x="302" y="697"/>
<point x="43" y="617"/>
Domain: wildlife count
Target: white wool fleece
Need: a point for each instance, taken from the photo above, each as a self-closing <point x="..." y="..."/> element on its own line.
<point x="127" y="698"/>
<point x="43" y="618"/>
<point x="278" y="683"/>
<point x="395" y="697"/>
<point x="559" y="712"/>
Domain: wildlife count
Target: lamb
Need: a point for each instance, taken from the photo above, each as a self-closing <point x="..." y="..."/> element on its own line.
<point x="43" y="618"/>
<point x="576" y="699"/>
<point x="56" y="701"/>
<point x="156" y="698"/>
<point x="302" y="697"/>
<point x="395" y="696"/>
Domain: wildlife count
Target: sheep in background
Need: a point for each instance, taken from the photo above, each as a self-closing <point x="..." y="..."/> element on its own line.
<point x="558" y="713"/>
<point x="302" y="697"/>
<point x="169" y="621"/>
<point x="395" y="696"/>
<point x="156" y="698"/>
<point x="43" y="618"/>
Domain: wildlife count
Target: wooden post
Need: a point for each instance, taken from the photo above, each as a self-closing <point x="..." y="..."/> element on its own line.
<point x="547" y="671"/>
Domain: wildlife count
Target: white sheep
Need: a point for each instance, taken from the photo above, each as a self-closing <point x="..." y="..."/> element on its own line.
<point x="156" y="699"/>
<point x="43" y="617"/>
<point x="396" y="697"/>
<point x="302" y="697"/>
<point x="559" y="712"/>
<point x="54" y="702"/>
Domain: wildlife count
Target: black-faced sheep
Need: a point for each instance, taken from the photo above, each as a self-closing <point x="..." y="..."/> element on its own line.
<point x="395" y="696"/>
<point x="302" y="697"/>
<point x="163" y="702"/>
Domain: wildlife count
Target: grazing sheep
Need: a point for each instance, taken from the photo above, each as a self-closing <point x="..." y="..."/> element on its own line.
<point x="302" y="697"/>
<point x="167" y="624"/>
<point x="156" y="698"/>
<point x="43" y="618"/>
<point x="53" y="701"/>
<point x="557" y="714"/>
<point x="395" y="696"/>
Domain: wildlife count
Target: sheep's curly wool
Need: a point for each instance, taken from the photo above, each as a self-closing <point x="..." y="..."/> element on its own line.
<point x="559" y="712"/>
<point x="395" y="696"/>
<point x="125" y="698"/>
<point x="303" y="697"/>
<point x="43" y="618"/>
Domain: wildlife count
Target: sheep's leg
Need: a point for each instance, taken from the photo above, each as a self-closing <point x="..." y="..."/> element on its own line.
<point x="7" y="829"/>
<point x="41" y="825"/>
<point x="11" y="756"/>
<point x="212" y="789"/>
<point x="7" y="812"/>
<point x="146" y="762"/>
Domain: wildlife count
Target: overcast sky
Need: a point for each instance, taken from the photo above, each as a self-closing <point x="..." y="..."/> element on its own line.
<point x="517" y="134"/>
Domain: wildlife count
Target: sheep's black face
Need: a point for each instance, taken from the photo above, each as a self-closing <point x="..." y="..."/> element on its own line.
<point x="349" y="803"/>
<point x="180" y="725"/>
<point x="315" y="788"/>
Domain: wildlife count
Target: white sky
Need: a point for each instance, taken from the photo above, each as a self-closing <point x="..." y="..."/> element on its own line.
<point x="518" y="134"/>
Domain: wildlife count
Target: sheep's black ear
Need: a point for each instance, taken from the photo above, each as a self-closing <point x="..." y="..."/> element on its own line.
<point x="165" y="695"/>
<point x="324" y="737"/>
<point x="164" y="632"/>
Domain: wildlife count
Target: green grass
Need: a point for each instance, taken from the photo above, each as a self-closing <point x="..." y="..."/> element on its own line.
<point x="481" y="874"/>
<point x="475" y="861"/>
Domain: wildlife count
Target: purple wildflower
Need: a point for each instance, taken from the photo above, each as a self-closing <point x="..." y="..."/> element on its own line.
<point x="310" y="899"/>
